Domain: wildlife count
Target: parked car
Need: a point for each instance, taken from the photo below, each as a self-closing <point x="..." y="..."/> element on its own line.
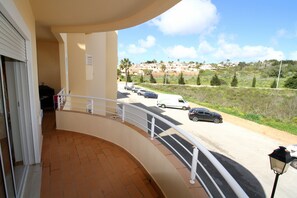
<point x="150" y="94"/>
<point x="197" y="114"/>
<point x="129" y="86"/>
<point x="293" y="152"/>
<point x="135" y="89"/>
<point x="141" y="92"/>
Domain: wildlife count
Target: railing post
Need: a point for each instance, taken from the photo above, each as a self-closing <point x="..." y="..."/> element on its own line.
<point x="153" y="128"/>
<point x="123" y="113"/>
<point x="59" y="103"/>
<point x="92" y="106"/>
<point x="194" y="165"/>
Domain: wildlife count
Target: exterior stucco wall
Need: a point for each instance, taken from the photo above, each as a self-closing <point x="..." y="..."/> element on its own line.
<point x="111" y="65"/>
<point x="98" y="78"/>
<point x="49" y="64"/>
<point x="76" y="46"/>
<point x="95" y="48"/>
<point x="63" y="61"/>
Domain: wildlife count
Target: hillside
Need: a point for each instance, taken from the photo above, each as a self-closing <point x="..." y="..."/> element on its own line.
<point x="273" y="107"/>
<point x="265" y="73"/>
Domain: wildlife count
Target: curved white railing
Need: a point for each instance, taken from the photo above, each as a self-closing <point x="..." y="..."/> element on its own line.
<point x="139" y="117"/>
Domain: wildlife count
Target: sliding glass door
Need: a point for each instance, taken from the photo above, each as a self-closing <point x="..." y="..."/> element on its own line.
<point x="12" y="125"/>
<point x="5" y="141"/>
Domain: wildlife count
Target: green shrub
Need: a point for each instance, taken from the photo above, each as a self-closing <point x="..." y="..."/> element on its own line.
<point x="291" y="82"/>
<point x="254" y="82"/>
<point x="294" y="120"/>
<point x="215" y="81"/>
<point x="141" y="79"/>
<point x="181" y="80"/>
<point x="198" y="80"/>
<point x="273" y="84"/>
<point x="234" y="81"/>
<point x="152" y="79"/>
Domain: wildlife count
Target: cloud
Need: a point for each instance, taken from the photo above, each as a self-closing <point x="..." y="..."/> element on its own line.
<point x="179" y="51"/>
<point x="205" y="48"/>
<point x="281" y="33"/>
<point x="148" y="43"/>
<point x="133" y="49"/>
<point x="188" y="17"/>
<point x="142" y="45"/>
<point x="226" y="50"/>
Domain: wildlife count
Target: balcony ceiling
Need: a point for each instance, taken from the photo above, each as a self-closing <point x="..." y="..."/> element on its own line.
<point x="86" y="16"/>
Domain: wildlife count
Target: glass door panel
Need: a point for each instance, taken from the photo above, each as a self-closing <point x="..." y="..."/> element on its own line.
<point x="10" y="68"/>
<point x="4" y="141"/>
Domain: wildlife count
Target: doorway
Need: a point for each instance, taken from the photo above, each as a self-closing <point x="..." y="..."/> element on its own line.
<point x="12" y="125"/>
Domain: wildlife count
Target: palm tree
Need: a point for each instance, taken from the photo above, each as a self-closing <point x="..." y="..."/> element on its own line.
<point x="125" y="65"/>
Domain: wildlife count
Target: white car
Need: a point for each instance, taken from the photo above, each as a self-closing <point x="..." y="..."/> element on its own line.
<point x="293" y="152"/>
<point x="141" y="92"/>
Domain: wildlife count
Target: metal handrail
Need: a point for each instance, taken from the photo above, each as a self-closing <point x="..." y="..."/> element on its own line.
<point x="62" y="101"/>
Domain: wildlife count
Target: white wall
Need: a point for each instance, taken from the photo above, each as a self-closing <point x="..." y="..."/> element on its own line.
<point x="95" y="47"/>
<point x="76" y="46"/>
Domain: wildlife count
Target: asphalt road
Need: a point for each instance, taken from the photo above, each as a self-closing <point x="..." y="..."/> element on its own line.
<point x="243" y="152"/>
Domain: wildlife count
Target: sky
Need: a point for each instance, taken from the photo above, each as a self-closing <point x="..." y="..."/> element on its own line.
<point x="212" y="31"/>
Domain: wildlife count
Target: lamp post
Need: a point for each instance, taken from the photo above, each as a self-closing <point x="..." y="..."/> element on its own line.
<point x="279" y="72"/>
<point x="279" y="161"/>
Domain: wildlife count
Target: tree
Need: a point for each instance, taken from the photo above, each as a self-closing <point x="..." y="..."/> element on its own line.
<point x="152" y="79"/>
<point x="149" y="62"/>
<point x="181" y="80"/>
<point x="119" y="76"/>
<point x="141" y="79"/>
<point x="234" y="81"/>
<point x="163" y="68"/>
<point x="254" y="82"/>
<point x="215" y="81"/>
<point x="198" y="80"/>
<point x="241" y="65"/>
<point x="291" y="82"/>
<point x="273" y="85"/>
<point x="125" y="65"/>
<point x="129" y="79"/>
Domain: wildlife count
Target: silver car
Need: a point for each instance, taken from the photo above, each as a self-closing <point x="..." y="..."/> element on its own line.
<point x="141" y="92"/>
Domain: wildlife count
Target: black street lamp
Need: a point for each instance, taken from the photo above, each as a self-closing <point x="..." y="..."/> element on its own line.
<point x="279" y="161"/>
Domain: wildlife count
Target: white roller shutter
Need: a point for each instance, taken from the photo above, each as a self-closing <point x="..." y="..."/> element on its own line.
<point x="12" y="44"/>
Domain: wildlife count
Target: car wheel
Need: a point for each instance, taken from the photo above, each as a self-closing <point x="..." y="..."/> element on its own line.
<point x="195" y="119"/>
<point x="216" y="120"/>
<point x="294" y="164"/>
<point x="163" y="106"/>
<point x="184" y="108"/>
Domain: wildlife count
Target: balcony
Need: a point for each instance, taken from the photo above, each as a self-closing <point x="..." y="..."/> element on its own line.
<point x="158" y="158"/>
<point x="79" y="165"/>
